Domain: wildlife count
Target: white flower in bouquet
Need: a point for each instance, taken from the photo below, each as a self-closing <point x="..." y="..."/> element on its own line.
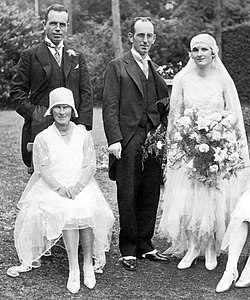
<point x="184" y="121"/>
<point x="188" y="112"/>
<point x="214" y="168"/>
<point x="194" y="136"/>
<point x="209" y="135"/>
<point x="177" y="137"/>
<point x="159" y="145"/>
<point x="203" y="123"/>
<point x="218" y="127"/>
<point x="216" y="135"/>
<point x="234" y="157"/>
<point x="203" y="148"/>
<point x="231" y="145"/>
<point x="160" y="69"/>
<point x="228" y="121"/>
<point x="220" y="154"/>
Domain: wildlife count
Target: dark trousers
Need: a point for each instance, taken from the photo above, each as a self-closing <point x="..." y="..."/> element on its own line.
<point x="138" y="191"/>
<point x="31" y="128"/>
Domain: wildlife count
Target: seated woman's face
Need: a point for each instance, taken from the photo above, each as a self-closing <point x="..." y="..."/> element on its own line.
<point x="202" y="55"/>
<point x="62" y="114"/>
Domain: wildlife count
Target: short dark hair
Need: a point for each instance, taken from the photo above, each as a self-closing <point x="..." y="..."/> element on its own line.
<point x="143" y="19"/>
<point x="56" y="7"/>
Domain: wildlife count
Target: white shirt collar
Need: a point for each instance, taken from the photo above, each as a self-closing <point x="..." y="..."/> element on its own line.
<point x="59" y="46"/>
<point x="137" y="55"/>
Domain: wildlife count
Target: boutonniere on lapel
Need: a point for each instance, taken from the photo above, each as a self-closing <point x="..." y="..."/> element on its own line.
<point x="71" y="52"/>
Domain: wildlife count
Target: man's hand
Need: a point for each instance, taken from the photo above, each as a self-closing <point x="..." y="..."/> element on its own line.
<point x="115" y="149"/>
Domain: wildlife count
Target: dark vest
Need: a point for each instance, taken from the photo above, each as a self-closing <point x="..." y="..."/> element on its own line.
<point x="57" y="79"/>
<point x="150" y="96"/>
<point x="57" y="74"/>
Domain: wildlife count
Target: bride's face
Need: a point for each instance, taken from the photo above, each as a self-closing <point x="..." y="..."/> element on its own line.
<point x="202" y="55"/>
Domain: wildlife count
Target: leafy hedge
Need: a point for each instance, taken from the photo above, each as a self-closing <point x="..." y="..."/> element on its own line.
<point x="235" y="56"/>
<point x="96" y="44"/>
<point x="18" y="30"/>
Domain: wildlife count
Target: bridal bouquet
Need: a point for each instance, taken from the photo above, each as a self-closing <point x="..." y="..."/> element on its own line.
<point x="155" y="145"/>
<point x="207" y="145"/>
<point x="168" y="71"/>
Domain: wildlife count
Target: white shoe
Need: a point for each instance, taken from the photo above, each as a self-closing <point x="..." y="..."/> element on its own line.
<point x="89" y="277"/>
<point x="244" y="280"/>
<point x="190" y="258"/>
<point x="73" y="284"/>
<point x="210" y="259"/>
<point x="226" y="281"/>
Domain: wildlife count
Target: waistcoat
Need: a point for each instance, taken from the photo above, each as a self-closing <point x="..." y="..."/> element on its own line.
<point x="150" y="96"/>
<point x="57" y="79"/>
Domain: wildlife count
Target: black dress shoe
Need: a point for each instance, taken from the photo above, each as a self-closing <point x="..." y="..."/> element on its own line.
<point x="129" y="264"/>
<point x="156" y="257"/>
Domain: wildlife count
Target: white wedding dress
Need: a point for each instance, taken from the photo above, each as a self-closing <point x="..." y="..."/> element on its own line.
<point x="188" y="205"/>
<point x="44" y="214"/>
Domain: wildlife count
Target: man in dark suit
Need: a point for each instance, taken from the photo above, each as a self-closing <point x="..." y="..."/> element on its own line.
<point x="131" y="90"/>
<point x="45" y="67"/>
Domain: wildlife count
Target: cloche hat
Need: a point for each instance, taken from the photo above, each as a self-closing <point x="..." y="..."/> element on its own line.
<point x="60" y="96"/>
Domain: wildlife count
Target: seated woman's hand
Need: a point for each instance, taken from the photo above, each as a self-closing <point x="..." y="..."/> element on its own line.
<point x="75" y="190"/>
<point x="64" y="192"/>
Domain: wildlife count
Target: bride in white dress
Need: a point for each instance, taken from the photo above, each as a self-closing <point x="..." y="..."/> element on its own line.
<point x="195" y="216"/>
<point x="62" y="198"/>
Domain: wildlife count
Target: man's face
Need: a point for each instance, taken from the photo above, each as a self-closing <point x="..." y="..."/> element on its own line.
<point x="143" y="37"/>
<point x="56" y="26"/>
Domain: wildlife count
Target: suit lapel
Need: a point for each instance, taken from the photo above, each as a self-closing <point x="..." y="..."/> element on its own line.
<point x="132" y="69"/>
<point x="160" y="84"/>
<point x="66" y="61"/>
<point x="42" y="56"/>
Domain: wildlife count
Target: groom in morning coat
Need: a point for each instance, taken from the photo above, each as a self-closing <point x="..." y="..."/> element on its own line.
<point x="132" y="88"/>
<point x="41" y="69"/>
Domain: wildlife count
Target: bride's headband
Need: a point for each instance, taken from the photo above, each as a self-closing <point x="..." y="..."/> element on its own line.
<point x="206" y="39"/>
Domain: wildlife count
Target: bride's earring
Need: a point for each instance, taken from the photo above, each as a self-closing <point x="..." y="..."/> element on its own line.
<point x="213" y="57"/>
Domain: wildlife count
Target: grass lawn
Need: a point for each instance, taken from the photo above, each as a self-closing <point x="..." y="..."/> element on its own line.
<point x="152" y="281"/>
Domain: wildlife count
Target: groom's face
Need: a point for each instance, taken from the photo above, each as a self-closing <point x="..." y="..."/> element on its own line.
<point x="56" y="26"/>
<point x="143" y="37"/>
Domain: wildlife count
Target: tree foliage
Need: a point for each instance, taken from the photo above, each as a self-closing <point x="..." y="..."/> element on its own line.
<point x="96" y="44"/>
<point x="19" y="29"/>
<point x="235" y="46"/>
<point x="177" y="21"/>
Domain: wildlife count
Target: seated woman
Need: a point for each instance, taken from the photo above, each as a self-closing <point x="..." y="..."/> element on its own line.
<point x="62" y="198"/>
<point x="235" y="239"/>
